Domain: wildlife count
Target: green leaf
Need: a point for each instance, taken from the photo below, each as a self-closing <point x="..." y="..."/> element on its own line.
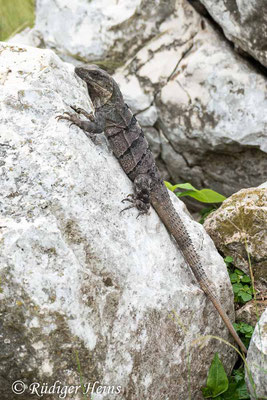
<point x="245" y="331"/>
<point x="236" y="326"/>
<point x="247" y="289"/>
<point x="186" y="193"/>
<point x="248" y="328"/>
<point x="242" y="390"/>
<point x="237" y="287"/>
<point x="234" y="278"/>
<point x="245" y="296"/>
<point x="204" y="195"/>
<point x="237" y="390"/>
<point x="228" y="260"/>
<point x="207" y="392"/>
<point x="204" y="212"/>
<point x="231" y="393"/>
<point x="245" y="279"/>
<point x="169" y="186"/>
<point x="238" y="271"/>
<point x="186" y="186"/>
<point x="217" y="382"/>
<point x="239" y="374"/>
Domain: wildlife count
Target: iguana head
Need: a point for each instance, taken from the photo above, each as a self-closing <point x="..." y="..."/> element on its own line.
<point x="99" y="82"/>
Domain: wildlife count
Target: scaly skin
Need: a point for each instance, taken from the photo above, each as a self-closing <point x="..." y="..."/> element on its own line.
<point x="127" y="141"/>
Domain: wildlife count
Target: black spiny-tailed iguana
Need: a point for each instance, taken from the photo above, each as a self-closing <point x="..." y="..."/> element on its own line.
<point x="130" y="147"/>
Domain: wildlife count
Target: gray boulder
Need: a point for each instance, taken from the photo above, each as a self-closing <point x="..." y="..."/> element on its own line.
<point x="203" y="106"/>
<point x="256" y="378"/>
<point x="107" y="31"/>
<point x="244" y="23"/>
<point x="211" y="104"/>
<point x="238" y="227"/>
<point x="86" y="291"/>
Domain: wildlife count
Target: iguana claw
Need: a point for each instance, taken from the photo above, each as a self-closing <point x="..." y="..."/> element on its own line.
<point x="80" y="110"/>
<point x="70" y="117"/>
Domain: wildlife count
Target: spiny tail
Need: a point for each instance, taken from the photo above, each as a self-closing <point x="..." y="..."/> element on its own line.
<point x="162" y="203"/>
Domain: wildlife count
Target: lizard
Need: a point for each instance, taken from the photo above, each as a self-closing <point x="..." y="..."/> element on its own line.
<point x="127" y="141"/>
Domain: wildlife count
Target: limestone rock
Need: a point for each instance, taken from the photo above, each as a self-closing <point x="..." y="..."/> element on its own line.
<point x="257" y="360"/>
<point x="180" y="77"/>
<point x="78" y="280"/>
<point x="250" y="312"/>
<point x="107" y="30"/>
<point x="244" y="23"/>
<point x="241" y="219"/>
<point x="211" y="104"/>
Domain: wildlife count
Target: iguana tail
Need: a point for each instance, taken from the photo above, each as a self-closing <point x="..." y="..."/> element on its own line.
<point x="162" y="204"/>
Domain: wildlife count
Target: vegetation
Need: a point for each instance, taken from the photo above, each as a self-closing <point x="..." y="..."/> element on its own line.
<point x="241" y="282"/>
<point x="205" y="212"/>
<point x="16" y="15"/>
<point x="203" y="195"/>
<point x="220" y="387"/>
<point x="245" y="332"/>
<point x="243" y="292"/>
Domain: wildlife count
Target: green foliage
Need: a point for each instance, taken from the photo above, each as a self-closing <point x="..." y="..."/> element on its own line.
<point x="220" y="387"/>
<point x="203" y="195"/>
<point x="245" y="331"/>
<point x="186" y="186"/>
<point x="228" y="261"/>
<point x="205" y="212"/>
<point x="237" y="386"/>
<point x="217" y="381"/>
<point x="243" y="293"/>
<point x="241" y="282"/>
<point x="15" y="16"/>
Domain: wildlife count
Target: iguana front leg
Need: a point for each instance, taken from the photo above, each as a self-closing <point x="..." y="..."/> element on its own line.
<point x="93" y="126"/>
<point x="141" y="196"/>
<point x="80" y="110"/>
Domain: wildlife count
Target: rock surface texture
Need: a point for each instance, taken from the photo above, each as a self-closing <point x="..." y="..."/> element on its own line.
<point x="257" y="360"/>
<point x="78" y="280"/>
<point x="203" y="107"/>
<point x="244" y="23"/>
<point x="211" y="124"/>
<point x="250" y="312"/>
<point x="97" y="30"/>
<point x="241" y="219"/>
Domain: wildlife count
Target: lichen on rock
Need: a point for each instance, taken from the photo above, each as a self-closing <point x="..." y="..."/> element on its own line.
<point x="238" y="229"/>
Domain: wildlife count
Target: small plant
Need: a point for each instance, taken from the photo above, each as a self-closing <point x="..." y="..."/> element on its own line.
<point x="220" y="387"/>
<point x="245" y="331"/>
<point x="205" y="212"/>
<point x="241" y="282"/>
<point x="217" y="382"/>
<point x="203" y="195"/>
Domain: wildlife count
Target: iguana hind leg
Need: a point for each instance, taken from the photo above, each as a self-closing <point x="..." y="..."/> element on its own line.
<point x="141" y="196"/>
